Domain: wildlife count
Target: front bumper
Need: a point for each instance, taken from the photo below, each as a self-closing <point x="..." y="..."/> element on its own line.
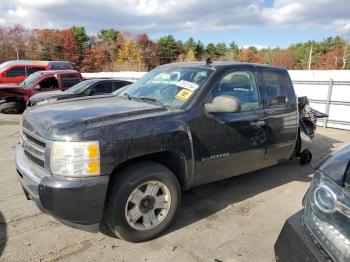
<point x="76" y="202"/>
<point x="295" y="243"/>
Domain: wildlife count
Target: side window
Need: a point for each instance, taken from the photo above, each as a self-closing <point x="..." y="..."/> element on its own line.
<point x="275" y="88"/>
<point x="16" y="71"/>
<point x="102" y="88"/>
<point x="48" y="84"/>
<point x="119" y="84"/>
<point x="240" y="84"/>
<point x="70" y="80"/>
<point x="31" y="70"/>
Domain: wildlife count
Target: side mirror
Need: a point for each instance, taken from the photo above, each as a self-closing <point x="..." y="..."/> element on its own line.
<point x="37" y="87"/>
<point x="223" y="104"/>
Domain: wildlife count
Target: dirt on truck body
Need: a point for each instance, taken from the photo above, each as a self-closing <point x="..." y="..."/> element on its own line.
<point x="122" y="160"/>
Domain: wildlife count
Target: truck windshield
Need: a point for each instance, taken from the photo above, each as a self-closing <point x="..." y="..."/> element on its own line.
<point x="169" y="86"/>
<point x="30" y="79"/>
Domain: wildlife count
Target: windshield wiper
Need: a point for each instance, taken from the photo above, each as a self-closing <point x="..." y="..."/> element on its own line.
<point x="146" y="99"/>
<point x="143" y="98"/>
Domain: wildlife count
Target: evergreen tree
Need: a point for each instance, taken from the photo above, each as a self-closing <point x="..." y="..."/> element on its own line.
<point x="210" y="49"/>
<point x="168" y="49"/>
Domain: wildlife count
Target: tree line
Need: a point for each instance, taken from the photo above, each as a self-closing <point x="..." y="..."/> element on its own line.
<point x="111" y="50"/>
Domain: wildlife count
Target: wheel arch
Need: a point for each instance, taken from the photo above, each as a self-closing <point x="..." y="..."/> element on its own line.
<point x="175" y="161"/>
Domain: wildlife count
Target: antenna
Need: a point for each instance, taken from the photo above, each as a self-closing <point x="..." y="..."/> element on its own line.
<point x="310" y="58"/>
<point x="209" y="62"/>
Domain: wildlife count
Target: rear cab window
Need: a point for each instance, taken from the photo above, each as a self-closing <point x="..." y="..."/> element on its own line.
<point x="275" y="88"/>
<point x="16" y="71"/>
<point x="31" y="69"/>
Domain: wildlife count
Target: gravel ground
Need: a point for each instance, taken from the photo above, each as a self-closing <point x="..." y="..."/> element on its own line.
<point x="238" y="219"/>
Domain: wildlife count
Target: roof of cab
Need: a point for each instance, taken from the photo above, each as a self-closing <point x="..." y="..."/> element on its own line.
<point x="221" y="64"/>
<point x="32" y="62"/>
<point x="62" y="71"/>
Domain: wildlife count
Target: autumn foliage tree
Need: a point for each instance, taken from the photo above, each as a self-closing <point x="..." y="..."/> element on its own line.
<point x="284" y="58"/>
<point x="113" y="50"/>
<point x="149" y="49"/>
<point x="69" y="48"/>
<point x="130" y="55"/>
<point x="96" y="59"/>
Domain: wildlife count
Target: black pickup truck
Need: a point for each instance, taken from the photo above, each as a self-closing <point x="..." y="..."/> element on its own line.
<point x="122" y="160"/>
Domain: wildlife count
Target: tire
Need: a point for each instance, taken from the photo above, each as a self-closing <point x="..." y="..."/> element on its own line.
<point x="132" y="186"/>
<point x="12" y="108"/>
<point x="305" y="157"/>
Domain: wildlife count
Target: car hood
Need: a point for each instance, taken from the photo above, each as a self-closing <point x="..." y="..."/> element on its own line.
<point x="67" y="120"/>
<point x="49" y="95"/>
<point x="335" y="166"/>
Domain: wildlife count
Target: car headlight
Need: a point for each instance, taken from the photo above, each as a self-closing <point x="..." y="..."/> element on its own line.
<point x="327" y="216"/>
<point x="325" y="198"/>
<point x="75" y="159"/>
<point x="46" y="101"/>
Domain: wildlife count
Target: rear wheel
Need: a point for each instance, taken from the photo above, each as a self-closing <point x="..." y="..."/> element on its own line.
<point x="142" y="202"/>
<point x="12" y="108"/>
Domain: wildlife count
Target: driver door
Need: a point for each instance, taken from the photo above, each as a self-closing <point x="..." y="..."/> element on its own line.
<point x="230" y="144"/>
<point x="46" y="84"/>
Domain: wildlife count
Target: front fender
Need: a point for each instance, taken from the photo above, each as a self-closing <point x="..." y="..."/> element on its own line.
<point x="165" y="136"/>
<point x="13" y="94"/>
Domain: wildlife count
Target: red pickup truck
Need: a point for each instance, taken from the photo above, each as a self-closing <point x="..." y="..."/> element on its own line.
<point x="16" y="71"/>
<point x="13" y="97"/>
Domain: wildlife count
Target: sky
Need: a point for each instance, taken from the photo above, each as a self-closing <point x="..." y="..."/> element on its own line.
<point x="262" y="23"/>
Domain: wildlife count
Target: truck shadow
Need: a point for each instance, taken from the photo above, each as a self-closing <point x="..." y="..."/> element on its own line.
<point x="205" y="201"/>
<point x="3" y="233"/>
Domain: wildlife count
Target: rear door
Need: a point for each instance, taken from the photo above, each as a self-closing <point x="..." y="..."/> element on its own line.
<point x="14" y="74"/>
<point x="281" y="115"/>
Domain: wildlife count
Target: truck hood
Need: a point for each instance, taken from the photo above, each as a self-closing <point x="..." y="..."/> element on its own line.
<point x="335" y="166"/>
<point x="5" y="86"/>
<point x="7" y="90"/>
<point x="67" y="120"/>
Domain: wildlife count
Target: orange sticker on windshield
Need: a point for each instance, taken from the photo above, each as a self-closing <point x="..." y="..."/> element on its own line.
<point x="184" y="94"/>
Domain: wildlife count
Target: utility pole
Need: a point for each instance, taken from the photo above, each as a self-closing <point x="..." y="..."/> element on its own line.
<point x="310" y="58"/>
<point x="17" y="53"/>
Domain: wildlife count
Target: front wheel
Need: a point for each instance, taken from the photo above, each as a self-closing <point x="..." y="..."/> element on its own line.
<point x="142" y="201"/>
<point x="12" y="108"/>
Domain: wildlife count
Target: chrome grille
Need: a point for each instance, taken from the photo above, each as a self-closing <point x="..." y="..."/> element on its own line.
<point x="34" y="148"/>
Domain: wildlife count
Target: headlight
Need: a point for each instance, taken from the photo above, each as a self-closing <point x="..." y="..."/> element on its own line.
<point x="46" y="101"/>
<point x="75" y="159"/>
<point x="325" y="199"/>
<point x="327" y="216"/>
